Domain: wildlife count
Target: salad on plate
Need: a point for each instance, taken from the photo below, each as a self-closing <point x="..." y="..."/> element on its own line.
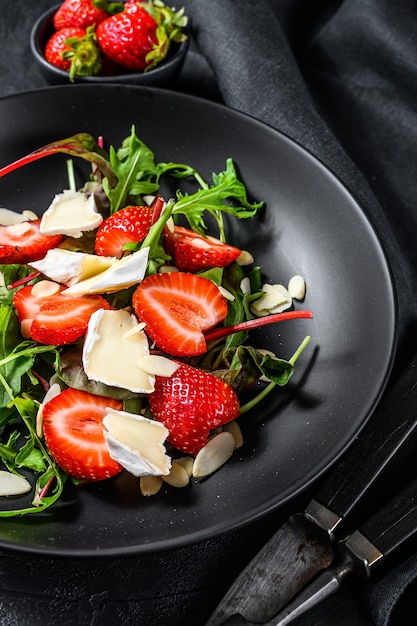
<point x="126" y="326"/>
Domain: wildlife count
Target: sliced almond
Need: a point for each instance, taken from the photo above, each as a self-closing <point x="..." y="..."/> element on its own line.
<point x="157" y="365"/>
<point x="245" y="285"/>
<point x="226" y="294"/>
<point x="234" y="429"/>
<point x="44" y="289"/>
<point x="135" y="329"/>
<point x="8" y="217"/>
<point x="274" y="300"/>
<point x="297" y="287"/>
<point x="13" y="484"/>
<point x="177" y="477"/>
<point x="215" y="453"/>
<point x="244" y="258"/>
<point x="187" y="462"/>
<point x="150" y="485"/>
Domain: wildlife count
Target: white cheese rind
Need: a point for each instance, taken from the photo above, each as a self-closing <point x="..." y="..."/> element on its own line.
<point x="125" y="272"/>
<point x="69" y="267"/>
<point x="111" y="357"/>
<point x="137" y="443"/>
<point x="70" y="213"/>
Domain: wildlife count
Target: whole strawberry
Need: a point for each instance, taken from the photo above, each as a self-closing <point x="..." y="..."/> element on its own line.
<point x="74" y="50"/>
<point x="128" y="37"/>
<point x="190" y="404"/>
<point x="139" y="37"/>
<point x="78" y="13"/>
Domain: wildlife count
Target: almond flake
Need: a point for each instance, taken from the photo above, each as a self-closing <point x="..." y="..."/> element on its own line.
<point x="44" y="289"/>
<point x="158" y="365"/>
<point x="297" y="287"/>
<point x="13" y="484"/>
<point x="245" y="258"/>
<point x="214" y="454"/>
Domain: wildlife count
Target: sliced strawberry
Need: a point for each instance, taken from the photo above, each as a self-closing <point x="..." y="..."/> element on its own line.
<point x="190" y="403"/>
<point x="22" y="243"/>
<point x="57" y="319"/>
<point x="177" y="308"/>
<point x="74" y="433"/>
<point x="129" y="225"/>
<point x="191" y="252"/>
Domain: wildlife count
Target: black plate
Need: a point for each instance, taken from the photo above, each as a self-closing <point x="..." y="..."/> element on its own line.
<point x="312" y="226"/>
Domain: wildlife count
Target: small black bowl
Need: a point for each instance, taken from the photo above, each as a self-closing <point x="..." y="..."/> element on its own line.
<point x="163" y="75"/>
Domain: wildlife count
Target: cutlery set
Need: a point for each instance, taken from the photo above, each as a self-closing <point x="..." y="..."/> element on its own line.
<point x="335" y="536"/>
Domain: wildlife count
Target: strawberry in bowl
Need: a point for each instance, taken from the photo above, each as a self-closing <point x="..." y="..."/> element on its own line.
<point x="99" y="41"/>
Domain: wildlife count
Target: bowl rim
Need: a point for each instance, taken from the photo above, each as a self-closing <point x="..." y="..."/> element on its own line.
<point x="165" y="65"/>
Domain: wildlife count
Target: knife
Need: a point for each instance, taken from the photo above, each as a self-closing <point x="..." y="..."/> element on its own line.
<point x="305" y="544"/>
<point x="361" y="553"/>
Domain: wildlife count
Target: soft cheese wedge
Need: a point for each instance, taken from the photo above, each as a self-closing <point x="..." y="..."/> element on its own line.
<point x="113" y="349"/>
<point x="137" y="443"/>
<point x="125" y="272"/>
<point x="69" y="267"/>
<point x="71" y="213"/>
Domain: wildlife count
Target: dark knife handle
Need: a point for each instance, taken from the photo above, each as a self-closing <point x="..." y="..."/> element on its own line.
<point x="385" y="531"/>
<point x="395" y="523"/>
<point x="392" y="426"/>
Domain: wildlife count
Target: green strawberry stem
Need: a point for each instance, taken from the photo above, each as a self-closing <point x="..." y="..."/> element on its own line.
<point x="249" y="405"/>
<point x="218" y="333"/>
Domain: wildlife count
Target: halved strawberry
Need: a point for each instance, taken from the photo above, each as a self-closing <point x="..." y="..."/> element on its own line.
<point x="190" y="403"/>
<point x="74" y="433"/>
<point x="57" y="319"/>
<point x="191" y="252"/>
<point x="24" y="242"/>
<point x="129" y="225"/>
<point x="177" y="308"/>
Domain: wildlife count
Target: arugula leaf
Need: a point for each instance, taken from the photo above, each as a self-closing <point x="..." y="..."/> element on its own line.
<point x="226" y="186"/>
<point x="134" y="166"/>
<point x="16" y="357"/>
<point x="32" y="455"/>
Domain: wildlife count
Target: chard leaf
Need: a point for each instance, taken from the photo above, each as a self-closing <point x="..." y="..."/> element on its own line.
<point x="10" y="274"/>
<point x="245" y="365"/>
<point x="81" y="145"/>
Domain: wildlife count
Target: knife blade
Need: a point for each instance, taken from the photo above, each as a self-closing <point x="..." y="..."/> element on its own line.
<point x="361" y="553"/>
<point x="304" y="545"/>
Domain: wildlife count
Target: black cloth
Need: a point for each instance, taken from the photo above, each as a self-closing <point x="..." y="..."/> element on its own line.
<point x="338" y="77"/>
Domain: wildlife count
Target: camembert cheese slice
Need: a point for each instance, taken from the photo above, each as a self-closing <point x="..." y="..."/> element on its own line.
<point x="137" y="443"/>
<point x="71" y="213"/>
<point x="111" y="351"/>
